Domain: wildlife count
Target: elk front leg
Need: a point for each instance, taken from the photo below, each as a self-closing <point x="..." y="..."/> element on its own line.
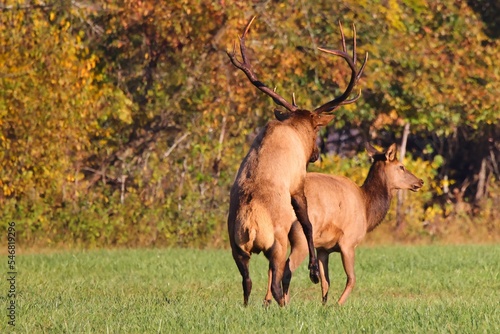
<point x="242" y="260"/>
<point x="323" y="257"/>
<point x="347" y="255"/>
<point x="299" y="203"/>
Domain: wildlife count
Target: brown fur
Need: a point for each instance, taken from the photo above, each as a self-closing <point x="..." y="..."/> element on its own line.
<point x="342" y="213"/>
<point x="268" y="193"/>
<point x="261" y="212"/>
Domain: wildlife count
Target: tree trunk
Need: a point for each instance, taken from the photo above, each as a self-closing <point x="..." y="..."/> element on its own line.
<point x="481" y="183"/>
<point x="400" y="215"/>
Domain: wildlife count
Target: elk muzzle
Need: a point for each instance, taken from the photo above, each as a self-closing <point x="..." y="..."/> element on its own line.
<point x="417" y="185"/>
<point x="315" y="154"/>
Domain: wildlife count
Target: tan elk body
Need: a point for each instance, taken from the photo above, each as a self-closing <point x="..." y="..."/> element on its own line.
<point x="268" y="193"/>
<point x="264" y="206"/>
<point x="342" y="213"/>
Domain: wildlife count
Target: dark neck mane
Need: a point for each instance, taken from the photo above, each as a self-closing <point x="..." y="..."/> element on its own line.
<point x="377" y="196"/>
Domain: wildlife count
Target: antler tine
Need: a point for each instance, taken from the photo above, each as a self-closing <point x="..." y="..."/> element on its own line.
<point x="245" y="67"/>
<point x="243" y="47"/>
<point x="354" y="99"/>
<point x="343" y="37"/>
<point x="362" y="67"/>
<point x="355" y="75"/>
<point x="353" y="44"/>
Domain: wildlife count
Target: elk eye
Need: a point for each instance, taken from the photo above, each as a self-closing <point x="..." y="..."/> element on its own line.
<point x="402" y="168"/>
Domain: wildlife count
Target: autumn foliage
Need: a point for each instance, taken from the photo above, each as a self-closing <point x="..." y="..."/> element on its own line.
<point x="122" y="122"/>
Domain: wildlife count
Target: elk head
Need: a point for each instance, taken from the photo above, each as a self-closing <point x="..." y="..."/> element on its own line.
<point x="311" y="120"/>
<point x="396" y="173"/>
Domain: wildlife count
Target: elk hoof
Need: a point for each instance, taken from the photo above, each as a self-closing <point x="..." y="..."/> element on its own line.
<point x="314" y="273"/>
<point x="266" y="303"/>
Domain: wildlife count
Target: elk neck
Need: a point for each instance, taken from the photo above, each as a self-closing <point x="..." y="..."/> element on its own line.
<point x="377" y="195"/>
<point x="301" y="123"/>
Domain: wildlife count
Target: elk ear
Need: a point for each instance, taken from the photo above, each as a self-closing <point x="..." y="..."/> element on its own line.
<point x="280" y="115"/>
<point x="391" y="153"/>
<point x="322" y="119"/>
<point x="372" y="151"/>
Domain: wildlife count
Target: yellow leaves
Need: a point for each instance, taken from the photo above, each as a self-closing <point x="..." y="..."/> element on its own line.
<point x="124" y="114"/>
<point x="5" y="187"/>
<point x="120" y="106"/>
<point x="350" y="107"/>
<point x="7" y="191"/>
<point x="65" y="25"/>
<point x="53" y="99"/>
<point x="394" y="15"/>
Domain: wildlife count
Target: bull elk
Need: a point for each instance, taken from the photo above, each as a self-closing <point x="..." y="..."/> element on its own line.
<point x="268" y="193"/>
<point x="342" y="213"/>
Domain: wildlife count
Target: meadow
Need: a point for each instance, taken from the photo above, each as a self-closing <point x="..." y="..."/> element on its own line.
<point x="400" y="289"/>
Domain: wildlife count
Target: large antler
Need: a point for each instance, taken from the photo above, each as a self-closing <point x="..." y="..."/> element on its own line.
<point x="245" y="67"/>
<point x="355" y="75"/>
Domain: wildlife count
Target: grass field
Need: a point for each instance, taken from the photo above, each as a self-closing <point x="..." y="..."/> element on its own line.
<point x="421" y="289"/>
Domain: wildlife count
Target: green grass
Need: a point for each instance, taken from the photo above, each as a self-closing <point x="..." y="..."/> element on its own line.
<point x="424" y="289"/>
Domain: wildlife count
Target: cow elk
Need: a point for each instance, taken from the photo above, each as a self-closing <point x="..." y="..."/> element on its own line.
<point x="268" y="193"/>
<point x="342" y="213"/>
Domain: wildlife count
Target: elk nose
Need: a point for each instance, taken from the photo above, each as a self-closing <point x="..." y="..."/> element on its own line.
<point x="314" y="156"/>
<point x="419" y="184"/>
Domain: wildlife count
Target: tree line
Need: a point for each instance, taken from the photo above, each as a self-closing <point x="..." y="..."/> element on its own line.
<point x="123" y="122"/>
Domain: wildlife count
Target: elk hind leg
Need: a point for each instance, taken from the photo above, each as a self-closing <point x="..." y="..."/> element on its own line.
<point x="323" y="257"/>
<point x="277" y="258"/>
<point x="269" y="296"/>
<point x="298" y="253"/>
<point x="242" y="260"/>
<point x="347" y="254"/>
